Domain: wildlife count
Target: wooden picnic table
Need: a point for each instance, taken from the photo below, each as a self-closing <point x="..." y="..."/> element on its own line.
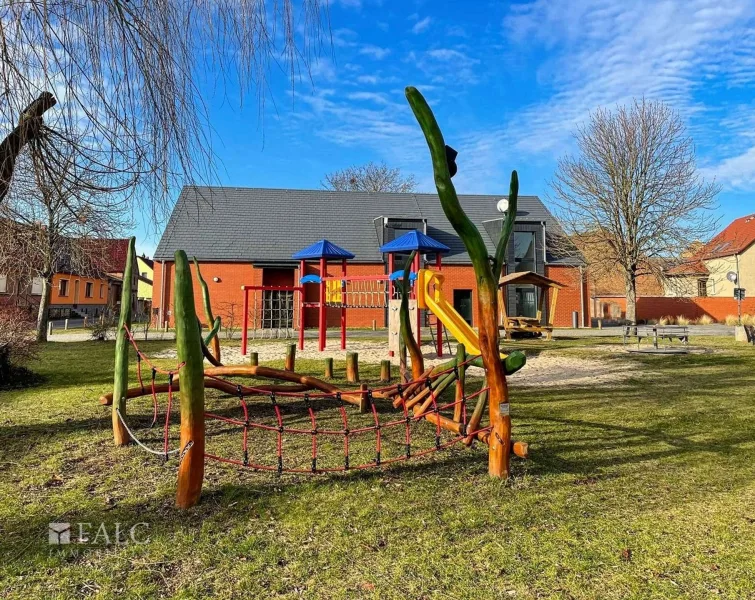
<point x="656" y="333"/>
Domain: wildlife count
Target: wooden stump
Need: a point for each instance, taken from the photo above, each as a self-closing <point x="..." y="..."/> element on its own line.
<point x="364" y="401"/>
<point x="328" y="368"/>
<point x="290" y="357"/>
<point x="352" y="367"/>
<point x="254" y="359"/>
<point x="385" y="371"/>
<point x="461" y="357"/>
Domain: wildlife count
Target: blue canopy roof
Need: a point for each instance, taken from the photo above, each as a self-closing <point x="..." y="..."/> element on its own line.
<point x="414" y="240"/>
<point x="322" y="249"/>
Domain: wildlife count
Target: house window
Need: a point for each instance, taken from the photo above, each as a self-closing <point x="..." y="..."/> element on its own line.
<point x="102" y="291"/>
<point x="524" y="251"/>
<point x="702" y="287"/>
<point x="3" y="284"/>
<point x="36" y="286"/>
<point x="63" y="287"/>
<point x="88" y="290"/>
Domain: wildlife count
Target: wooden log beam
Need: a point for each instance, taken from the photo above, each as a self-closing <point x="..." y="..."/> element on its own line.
<point x="223" y="386"/>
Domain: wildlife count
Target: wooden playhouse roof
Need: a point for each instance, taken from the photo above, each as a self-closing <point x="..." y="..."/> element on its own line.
<point x="529" y="278"/>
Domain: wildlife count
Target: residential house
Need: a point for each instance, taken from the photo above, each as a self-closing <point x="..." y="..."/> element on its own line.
<point x="73" y="294"/>
<point x="145" y="267"/>
<point x="247" y="236"/>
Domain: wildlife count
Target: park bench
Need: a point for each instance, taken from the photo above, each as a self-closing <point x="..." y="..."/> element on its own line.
<point x="657" y="333"/>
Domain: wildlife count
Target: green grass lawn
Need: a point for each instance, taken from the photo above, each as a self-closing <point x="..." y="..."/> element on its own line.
<point x="644" y="489"/>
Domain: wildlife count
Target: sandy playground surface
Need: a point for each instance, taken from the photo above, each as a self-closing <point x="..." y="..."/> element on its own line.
<point x="549" y="367"/>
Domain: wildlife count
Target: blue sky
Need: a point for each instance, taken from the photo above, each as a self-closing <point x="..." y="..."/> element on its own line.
<point x="509" y="82"/>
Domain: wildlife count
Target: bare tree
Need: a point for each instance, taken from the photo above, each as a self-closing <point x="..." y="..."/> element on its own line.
<point x="130" y="72"/>
<point x="372" y="177"/>
<point x="53" y="217"/>
<point x="632" y="200"/>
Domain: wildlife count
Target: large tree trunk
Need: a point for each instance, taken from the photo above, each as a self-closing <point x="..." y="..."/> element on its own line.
<point x="28" y="127"/>
<point x="630" y="282"/>
<point x="44" y="305"/>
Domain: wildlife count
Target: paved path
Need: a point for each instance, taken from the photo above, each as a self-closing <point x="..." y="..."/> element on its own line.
<point x="694" y="330"/>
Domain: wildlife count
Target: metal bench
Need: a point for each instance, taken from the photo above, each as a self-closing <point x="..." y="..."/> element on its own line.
<point x="657" y="333"/>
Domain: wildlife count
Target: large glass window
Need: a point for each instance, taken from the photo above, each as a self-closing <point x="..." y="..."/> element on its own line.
<point x="524" y="251"/>
<point x="526" y="301"/>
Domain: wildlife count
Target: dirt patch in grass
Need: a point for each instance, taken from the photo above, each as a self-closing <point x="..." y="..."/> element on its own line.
<point x="546" y="367"/>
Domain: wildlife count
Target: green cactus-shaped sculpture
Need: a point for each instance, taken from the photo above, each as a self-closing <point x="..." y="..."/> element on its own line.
<point x="189" y="346"/>
<point x="120" y="371"/>
<point x="212" y="322"/>
<point x="487" y="271"/>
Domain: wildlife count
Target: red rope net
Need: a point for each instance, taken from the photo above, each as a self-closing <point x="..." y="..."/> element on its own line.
<point x="278" y="426"/>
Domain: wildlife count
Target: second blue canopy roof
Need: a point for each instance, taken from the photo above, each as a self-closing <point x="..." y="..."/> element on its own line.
<point x="414" y="240"/>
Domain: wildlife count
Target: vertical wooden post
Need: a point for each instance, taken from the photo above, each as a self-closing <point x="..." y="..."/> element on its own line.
<point x="49" y="328"/>
<point x="189" y="346"/>
<point x="290" y="357"/>
<point x="461" y="357"/>
<point x="438" y="323"/>
<point x="254" y="359"/>
<point x="329" y="368"/>
<point x="385" y="371"/>
<point x="65" y="325"/>
<point x="364" y="401"/>
<point x="352" y="367"/>
<point x="374" y="325"/>
<point x="120" y="371"/>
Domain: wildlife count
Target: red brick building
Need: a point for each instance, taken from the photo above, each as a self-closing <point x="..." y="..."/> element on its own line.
<point x="247" y="236"/>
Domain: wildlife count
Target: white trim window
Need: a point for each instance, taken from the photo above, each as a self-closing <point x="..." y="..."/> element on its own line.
<point x="3" y="284"/>
<point x="37" y="286"/>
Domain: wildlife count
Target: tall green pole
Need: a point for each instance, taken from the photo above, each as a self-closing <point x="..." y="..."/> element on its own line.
<point x="189" y="346"/>
<point x="120" y="372"/>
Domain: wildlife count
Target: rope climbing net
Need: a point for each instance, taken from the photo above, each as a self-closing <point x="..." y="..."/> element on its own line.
<point x="287" y="421"/>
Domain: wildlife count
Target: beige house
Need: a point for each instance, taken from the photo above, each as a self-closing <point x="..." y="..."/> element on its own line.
<point x="724" y="263"/>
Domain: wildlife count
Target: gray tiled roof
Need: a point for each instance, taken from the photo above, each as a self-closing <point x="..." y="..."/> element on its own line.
<point x="269" y="225"/>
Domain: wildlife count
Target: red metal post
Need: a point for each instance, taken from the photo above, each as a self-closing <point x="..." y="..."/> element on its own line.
<point x="416" y="283"/>
<point x="438" y="324"/>
<point x="245" y="321"/>
<point x="391" y="267"/>
<point x="323" y="308"/>
<point x="301" y="305"/>
<point x="343" y="306"/>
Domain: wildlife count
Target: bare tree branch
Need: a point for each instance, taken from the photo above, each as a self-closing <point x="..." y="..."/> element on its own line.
<point x="372" y="177"/>
<point x="632" y="200"/>
<point x="131" y="73"/>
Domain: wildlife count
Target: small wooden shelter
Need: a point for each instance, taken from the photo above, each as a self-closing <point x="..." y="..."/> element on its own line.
<point x="533" y="325"/>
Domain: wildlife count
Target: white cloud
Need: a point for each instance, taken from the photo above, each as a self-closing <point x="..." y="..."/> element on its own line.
<point x="368" y="96"/>
<point x="422" y="25"/>
<point x="375" y="52"/>
<point x="736" y="172"/>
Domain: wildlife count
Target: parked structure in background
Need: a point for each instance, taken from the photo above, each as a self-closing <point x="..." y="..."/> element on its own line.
<point x="703" y="285"/>
<point x="250" y="235"/>
<point x="145" y="267"/>
<point x="73" y="295"/>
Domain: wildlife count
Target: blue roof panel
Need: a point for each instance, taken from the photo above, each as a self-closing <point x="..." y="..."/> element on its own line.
<point x="322" y="249"/>
<point x="414" y="240"/>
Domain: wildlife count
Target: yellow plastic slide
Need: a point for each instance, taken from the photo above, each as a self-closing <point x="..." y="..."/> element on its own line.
<point x="434" y="300"/>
